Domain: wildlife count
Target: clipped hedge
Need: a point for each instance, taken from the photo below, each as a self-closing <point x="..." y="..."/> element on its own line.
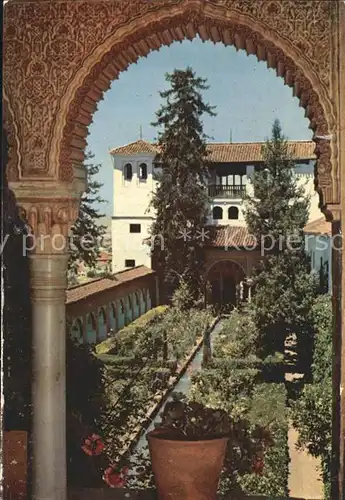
<point x="126" y="337"/>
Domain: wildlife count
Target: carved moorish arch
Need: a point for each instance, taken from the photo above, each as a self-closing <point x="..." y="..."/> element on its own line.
<point x="210" y="22"/>
<point x="218" y="276"/>
<point x="71" y="52"/>
<point x="59" y="58"/>
<point x="227" y="267"/>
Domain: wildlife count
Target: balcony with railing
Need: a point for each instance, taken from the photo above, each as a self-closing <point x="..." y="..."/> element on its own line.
<point x="227" y="191"/>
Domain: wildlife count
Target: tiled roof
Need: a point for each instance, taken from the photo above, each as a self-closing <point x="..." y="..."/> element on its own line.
<point x="222" y="152"/>
<point x="134" y="148"/>
<point x="80" y="292"/>
<point x="252" y="151"/>
<point x="229" y="236"/>
<point x="319" y="226"/>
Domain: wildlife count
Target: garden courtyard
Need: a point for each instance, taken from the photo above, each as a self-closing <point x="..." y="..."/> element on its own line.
<point x="143" y="365"/>
<point x="190" y="401"/>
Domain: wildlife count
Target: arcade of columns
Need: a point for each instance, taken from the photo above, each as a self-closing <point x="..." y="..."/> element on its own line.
<point x="59" y="58"/>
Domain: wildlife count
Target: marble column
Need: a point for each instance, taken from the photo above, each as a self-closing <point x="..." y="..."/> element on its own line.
<point x="48" y="285"/>
<point x="241" y="291"/>
<point x="49" y="209"/>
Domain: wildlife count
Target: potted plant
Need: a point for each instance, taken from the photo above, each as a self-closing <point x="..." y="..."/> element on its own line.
<point x="187" y="450"/>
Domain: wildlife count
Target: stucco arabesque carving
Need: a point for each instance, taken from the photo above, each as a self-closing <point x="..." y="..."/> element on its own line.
<point x="48" y="221"/>
<point x="57" y="37"/>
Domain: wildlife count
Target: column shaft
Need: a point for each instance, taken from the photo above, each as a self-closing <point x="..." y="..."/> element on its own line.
<point x="48" y="285"/>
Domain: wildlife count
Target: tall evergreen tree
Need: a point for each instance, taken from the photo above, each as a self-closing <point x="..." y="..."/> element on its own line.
<point x="87" y="232"/>
<point x="280" y="206"/>
<point x="180" y="200"/>
<point x="276" y="214"/>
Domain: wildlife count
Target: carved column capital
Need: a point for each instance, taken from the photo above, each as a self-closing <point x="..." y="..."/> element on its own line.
<point x="333" y="212"/>
<point x="49" y="210"/>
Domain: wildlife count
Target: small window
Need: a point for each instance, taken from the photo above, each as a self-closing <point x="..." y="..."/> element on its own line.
<point x="217" y="213"/>
<point x="136" y="298"/>
<point x="233" y="213"/>
<point x="128" y="172"/>
<point x="143" y="172"/>
<point x="135" y="228"/>
<point x="122" y="307"/>
<point x="129" y="263"/>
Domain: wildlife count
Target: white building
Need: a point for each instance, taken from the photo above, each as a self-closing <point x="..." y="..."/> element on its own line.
<point x="232" y="165"/>
<point x="318" y="241"/>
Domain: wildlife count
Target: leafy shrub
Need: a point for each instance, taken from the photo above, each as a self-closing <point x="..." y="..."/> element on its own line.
<point x="322" y="323"/>
<point x="268" y="409"/>
<point x="222" y="387"/>
<point x="84" y="405"/>
<point x="284" y="294"/>
<point x="182" y="298"/>
<point x="312" y="416"/>
<point x="188" y="420"/>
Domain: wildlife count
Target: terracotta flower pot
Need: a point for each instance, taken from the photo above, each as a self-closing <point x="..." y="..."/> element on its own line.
<point x="186" y="470"/>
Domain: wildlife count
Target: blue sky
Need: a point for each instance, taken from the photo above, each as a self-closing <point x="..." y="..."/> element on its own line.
<point x="248" y="97"/>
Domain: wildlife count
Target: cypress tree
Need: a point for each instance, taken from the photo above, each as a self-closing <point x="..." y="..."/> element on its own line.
<point x="180" y="200"/>
<point x="279" y="206"/>
<point x="86" y="232"/>
<point x="284" y="286"/>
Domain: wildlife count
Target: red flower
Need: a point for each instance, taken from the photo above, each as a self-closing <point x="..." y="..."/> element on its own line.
<point x="115" y="478"/>
<point x="93" y="445"/>
<point x="258" y="465"/>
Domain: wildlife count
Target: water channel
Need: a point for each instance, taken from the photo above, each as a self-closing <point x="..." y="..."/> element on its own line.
<point x="183" y="385"/>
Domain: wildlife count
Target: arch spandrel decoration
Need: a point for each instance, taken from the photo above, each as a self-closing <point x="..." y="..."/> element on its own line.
<point x="70" y="51"/>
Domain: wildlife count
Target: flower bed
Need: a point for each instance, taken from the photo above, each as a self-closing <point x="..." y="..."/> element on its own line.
<point x="147" y="363"/>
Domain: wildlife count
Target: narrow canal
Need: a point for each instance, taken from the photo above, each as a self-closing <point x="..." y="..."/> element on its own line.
<point x="183" y="385"/>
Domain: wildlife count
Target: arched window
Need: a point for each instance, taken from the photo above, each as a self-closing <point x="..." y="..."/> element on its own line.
<point x="143" y="171"/>
<point x="91" y="329"/>
<point x="122" y="307"/>
<point x="102" y="324"/>
<point x="217" y="213"/>
<point x="102" y="317"/>
<point x="136" y="298"/>
<point x="112" y="316"/>
<point x="128" y="172"/>
<point x="233" y="213"/>
<point x="91" y="322"/>
<point x="129" y="302"/>
<point x="77" y="330"/>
